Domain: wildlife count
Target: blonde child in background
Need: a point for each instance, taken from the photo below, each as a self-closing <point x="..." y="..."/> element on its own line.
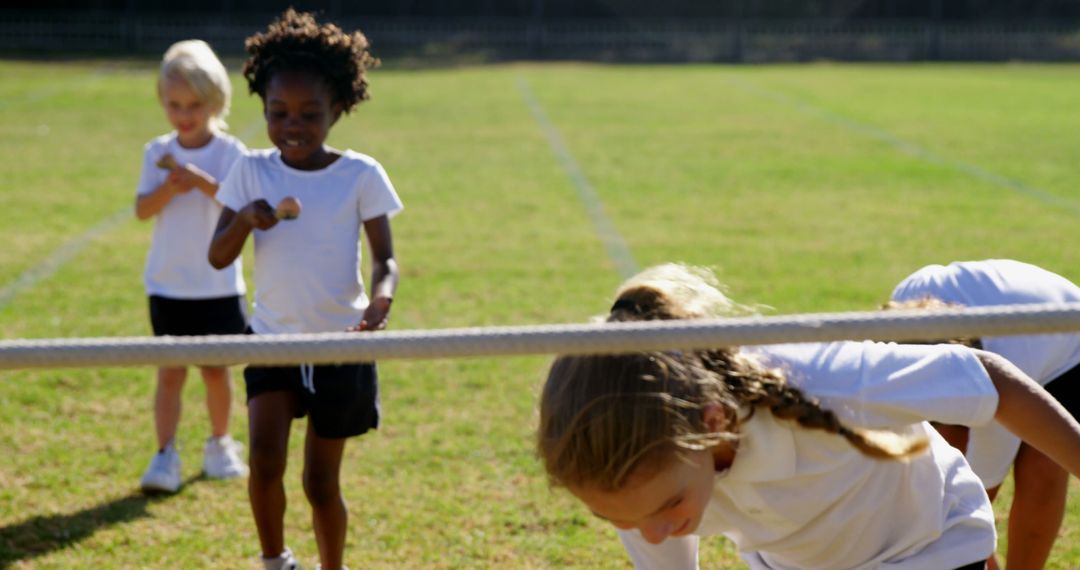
<point x="307" y="264"/>
<point x="1052" y="360"/>
<point x="179" y="181"/>
<point x="809" y="456"/>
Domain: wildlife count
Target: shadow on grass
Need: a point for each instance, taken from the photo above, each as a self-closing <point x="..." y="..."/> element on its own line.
<point x="40" y="535"/>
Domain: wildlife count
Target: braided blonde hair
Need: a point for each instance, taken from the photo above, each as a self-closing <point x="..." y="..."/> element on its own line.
<point x="603" y="417"/>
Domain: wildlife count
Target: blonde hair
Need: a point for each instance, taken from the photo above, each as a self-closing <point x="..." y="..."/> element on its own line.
<point x="931" y="303"/>
<point x="604" y="417"/>
<point x="194" y="62"/>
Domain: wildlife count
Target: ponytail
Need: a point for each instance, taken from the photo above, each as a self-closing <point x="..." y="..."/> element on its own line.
<point x="605" y="417"/>
<point x="676" y="291"/>
<point x="753" y="385"/>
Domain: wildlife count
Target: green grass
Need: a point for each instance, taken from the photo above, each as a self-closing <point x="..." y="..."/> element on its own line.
<point x="767" y="174"/>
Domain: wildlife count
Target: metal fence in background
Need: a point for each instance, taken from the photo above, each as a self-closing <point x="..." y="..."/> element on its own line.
<point x="601" y="40"/>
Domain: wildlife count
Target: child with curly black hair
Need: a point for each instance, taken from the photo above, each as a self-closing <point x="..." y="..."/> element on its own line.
<point x="307" y="74"/>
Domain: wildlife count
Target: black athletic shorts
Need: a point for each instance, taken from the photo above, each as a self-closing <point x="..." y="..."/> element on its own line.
<point x="1066" y="390"/>
<point x="195" y="317"/>
<point x="341" y="400"/>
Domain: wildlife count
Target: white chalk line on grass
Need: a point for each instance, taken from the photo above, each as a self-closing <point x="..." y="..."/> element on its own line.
<point x="59" y="257"/>
<point x="906" y="147"/>
<point x="613" y="242"/>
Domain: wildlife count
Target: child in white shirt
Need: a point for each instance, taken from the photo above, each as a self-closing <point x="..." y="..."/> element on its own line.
<point x="812" y="456"/>
<point x="1052" y="360"/>
<point x="307" y="267"/>
<point x="179" y="181"/>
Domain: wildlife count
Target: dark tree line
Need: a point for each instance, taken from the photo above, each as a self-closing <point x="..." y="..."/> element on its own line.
<point x="948" y="10"/>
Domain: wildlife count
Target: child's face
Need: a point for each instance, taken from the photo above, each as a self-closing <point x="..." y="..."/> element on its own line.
<point x="660" y="504"/>
<point x="187" y="112"/>
<point x="299" y="112"/>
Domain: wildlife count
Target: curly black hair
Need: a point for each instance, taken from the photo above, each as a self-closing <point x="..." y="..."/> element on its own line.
<point x="296" y="41"/>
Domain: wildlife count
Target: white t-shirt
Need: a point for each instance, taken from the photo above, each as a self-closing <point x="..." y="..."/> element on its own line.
<point x="307" y="270"/>
<point x="992" y="449"/>
<point x="803" y="498"/>
<point x="177" y="266"/>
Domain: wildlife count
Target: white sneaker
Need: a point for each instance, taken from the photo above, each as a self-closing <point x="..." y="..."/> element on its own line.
<point x="163" y="474"/>
<point x="221" y="458"/>
<point x="283" y="561"/>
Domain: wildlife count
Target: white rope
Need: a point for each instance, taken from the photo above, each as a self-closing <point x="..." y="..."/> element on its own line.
<point x="542" y="339"/>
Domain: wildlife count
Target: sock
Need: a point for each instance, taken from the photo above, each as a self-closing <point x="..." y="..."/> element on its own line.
<point x="283" y="561"/>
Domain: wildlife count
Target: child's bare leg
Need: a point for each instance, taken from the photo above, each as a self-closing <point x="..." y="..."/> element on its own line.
<point x="218" y="398"/>
<point x="322" y="473"/>
<point x="270" y="416"/>
<point x="167" y="400"/>
<point x="1037" y="510"/>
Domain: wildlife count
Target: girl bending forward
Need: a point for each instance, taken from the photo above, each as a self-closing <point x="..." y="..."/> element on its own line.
<point x="805" y="456"/>
<point x="1053" y="360"/>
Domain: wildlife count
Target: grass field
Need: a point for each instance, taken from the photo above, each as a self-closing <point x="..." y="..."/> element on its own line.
<point x="809" y="188"/>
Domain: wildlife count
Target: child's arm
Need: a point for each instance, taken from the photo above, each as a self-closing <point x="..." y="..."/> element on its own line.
<point x="384" y="273"/>
<point x="180" y="180"/>
<point x="1027" y="410"/>
<point x="149" y="204"/>
<point x="233" y="229"/>
<point x="190" y="177"/>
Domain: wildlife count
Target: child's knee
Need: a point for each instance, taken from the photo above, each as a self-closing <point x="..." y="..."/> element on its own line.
<point x="321" y="488"/>
<point x="267" y="460"/>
